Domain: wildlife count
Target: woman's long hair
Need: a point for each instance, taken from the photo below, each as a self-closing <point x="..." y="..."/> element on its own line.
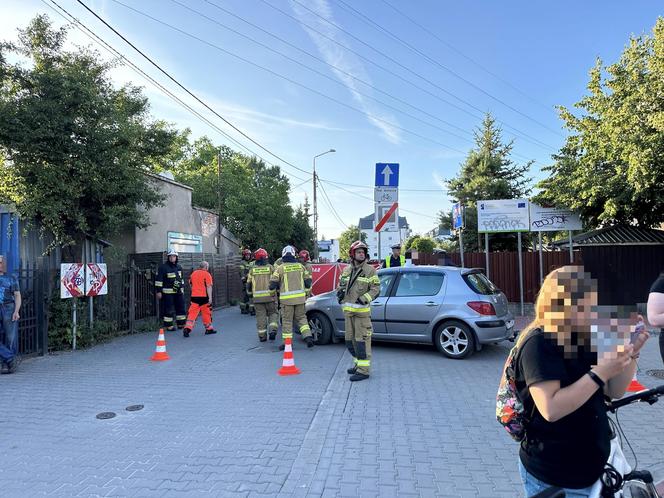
<point x="561" y="291"/>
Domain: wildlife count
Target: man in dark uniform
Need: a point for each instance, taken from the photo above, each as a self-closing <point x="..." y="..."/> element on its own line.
<point x="396" y="259"/>
<point x="170" y="291"/>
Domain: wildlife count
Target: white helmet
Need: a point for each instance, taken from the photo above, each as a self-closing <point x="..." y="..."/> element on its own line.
<point x="288" y="250"/>
<point x="172" y="252"/>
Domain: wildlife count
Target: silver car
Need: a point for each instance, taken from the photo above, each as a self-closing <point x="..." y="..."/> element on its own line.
<point x="457" y="309"/>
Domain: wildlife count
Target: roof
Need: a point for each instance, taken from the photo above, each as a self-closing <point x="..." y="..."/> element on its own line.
<point x="367" y="223"/>
<point x="618" y="235"/>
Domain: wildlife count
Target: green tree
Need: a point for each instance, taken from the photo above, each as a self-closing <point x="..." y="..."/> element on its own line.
<point x="410" y="242"/>
<point x="487" y="173"/>
<point x="76" y="146"/>
<point x="302" y="235"/>
<point x="347" y="237"/>
<point x="611" y="169"/>
<point x="424" y="245"/>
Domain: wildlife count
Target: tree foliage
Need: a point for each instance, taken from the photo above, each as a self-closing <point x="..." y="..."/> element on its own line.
<point x="347" y="237"/>
<point x="76" y="147"/>
<point x="487" y="173"/>
<point x="611" y="168"/>
<point x="420" y="244"/>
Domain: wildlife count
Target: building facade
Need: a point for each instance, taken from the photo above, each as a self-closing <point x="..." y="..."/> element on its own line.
<point x="387" y="239"/>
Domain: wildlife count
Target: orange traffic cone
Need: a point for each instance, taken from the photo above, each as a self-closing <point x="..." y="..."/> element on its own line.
<point x="160" y="353"/>
<point x="635" y="386"/>
<point x="288" y="366"/>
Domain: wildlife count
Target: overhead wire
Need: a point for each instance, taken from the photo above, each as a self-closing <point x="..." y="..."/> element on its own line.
<point x="403" y="42"/>
<point x="193" y="95"/>
<point x="290" y="80"/>
<point x="393" y="60"/>
<point x="467" y="57"/>
<point x="67" y="16"/>
<point x="331" y="205"/>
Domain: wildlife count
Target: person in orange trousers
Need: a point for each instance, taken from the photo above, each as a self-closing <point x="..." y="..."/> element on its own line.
<point x="201" y="299"/>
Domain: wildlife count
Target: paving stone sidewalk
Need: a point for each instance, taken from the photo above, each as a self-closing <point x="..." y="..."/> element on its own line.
<point x="218" y="421"/>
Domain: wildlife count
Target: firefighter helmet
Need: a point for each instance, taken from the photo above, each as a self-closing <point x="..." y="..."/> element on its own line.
<point x="288" y="250"/>
<point x="358" y="244"/>
<point x="304" y="254"/>
<point x="172" y="252"/>
<point x="246" y="252"/>
<point x="260" y="254"/>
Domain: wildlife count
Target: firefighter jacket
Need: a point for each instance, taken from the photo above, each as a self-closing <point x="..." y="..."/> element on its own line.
<point x="291" y="279"/>
<point x="169" y="279"/>
<point x="258" y="283"/>
<point x="360" y="285"/>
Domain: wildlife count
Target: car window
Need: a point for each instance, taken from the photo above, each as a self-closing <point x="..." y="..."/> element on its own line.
<point x="419" y="284"/>
<point x="481" y="284"/>
<point x="385" y="283"/>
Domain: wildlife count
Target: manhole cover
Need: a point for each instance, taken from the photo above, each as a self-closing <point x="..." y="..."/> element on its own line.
<point x="105" y="415"/>
<point x="134" y="408"/>
<point x="658" y="374"/>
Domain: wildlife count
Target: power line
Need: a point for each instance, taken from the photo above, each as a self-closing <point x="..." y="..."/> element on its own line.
<point x="368" y="187"/>
<point x="67" y="16"/>
<point x="331" y="205"/>
<point x="459" y="52"/>
<point x="290" y="80"/>
<point x="369" y="21"/>
<point x="370" y="199"/>
<point x="322" y="61"/>
<point x="432" y="83"/>
<point x="187" y="90"/>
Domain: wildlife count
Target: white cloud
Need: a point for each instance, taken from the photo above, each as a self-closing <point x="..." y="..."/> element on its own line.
<point x="348" y="63"/>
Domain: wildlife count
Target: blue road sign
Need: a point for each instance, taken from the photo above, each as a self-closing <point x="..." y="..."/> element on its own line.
<point x="457" y="216"/>
<point x="387" y="174"/>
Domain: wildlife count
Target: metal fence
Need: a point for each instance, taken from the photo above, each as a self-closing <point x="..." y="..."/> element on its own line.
<point x="32" y="326"/>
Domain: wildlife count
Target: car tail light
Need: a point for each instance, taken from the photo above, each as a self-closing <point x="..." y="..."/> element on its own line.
<point x="482" y="308"/>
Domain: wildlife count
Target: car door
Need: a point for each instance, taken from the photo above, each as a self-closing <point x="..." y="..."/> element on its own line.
<point x="378" y="305"/>
<point x="413" y="304"/>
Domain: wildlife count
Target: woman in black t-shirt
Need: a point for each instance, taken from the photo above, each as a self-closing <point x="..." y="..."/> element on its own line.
<point x="656" y="310"/>
<point x="562" y="384"/>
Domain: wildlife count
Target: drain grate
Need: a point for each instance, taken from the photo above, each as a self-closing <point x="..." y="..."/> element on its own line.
<point x="658" y="374"/>
<point x="134" y="408"/>
<point x="105" y="415"/>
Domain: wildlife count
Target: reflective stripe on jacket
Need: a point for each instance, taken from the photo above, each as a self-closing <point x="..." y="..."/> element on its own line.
<point x="359" y="282"/>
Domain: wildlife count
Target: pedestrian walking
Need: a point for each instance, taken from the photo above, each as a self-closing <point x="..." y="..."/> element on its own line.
<point x="656" y="310"/>
<point x="170" y="291"/>
<point x="264" y="298"/>
<point x="200" y="283"/>
<point x="292" y="283"/>
<point x="562" y="381"/>
<point x="358" y="286"/>
<point x="10" y="305"/>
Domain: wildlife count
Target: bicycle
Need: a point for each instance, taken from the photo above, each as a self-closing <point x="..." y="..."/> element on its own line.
<point x="619" y="480"/>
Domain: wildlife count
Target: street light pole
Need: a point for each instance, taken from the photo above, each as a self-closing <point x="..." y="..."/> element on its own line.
<point x="315" y="180"/>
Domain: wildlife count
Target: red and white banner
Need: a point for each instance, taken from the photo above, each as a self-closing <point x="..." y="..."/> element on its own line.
<point x="325" y="277"/>
<point x="72" y="280"/>
<point x="96" y="281"/>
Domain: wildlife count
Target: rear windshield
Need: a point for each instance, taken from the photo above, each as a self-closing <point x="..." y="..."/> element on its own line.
<point x="481" y="284"/>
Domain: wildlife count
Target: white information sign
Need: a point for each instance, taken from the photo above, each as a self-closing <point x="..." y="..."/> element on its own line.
<point x="386" y="195"/>
<point x="553" y="219"/>
<point x="507" y="215"/>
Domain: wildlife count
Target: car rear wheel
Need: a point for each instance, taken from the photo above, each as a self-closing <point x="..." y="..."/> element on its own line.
<point x="455" y="340"/>
<point x="321" y="327"/>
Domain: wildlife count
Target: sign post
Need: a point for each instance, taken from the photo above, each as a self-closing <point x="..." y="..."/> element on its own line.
<point x="545" y="219"/>
<point x="72" y="285"/>
<point x="386" y="200"/>
<point x="457" y="224"/>
<point x="504" y="216"/>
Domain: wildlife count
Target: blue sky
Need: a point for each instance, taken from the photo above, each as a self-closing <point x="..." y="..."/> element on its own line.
<point x="516" y="59"/>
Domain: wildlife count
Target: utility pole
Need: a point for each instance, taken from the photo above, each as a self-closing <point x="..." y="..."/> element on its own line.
<point x="219" y="201"/>
<point x="315" y="182"/>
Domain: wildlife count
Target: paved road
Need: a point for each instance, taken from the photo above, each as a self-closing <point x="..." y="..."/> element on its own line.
<point x="218" y="421"/>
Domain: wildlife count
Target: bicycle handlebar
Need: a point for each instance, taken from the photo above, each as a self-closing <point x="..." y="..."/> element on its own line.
<point x="649" y="396"/>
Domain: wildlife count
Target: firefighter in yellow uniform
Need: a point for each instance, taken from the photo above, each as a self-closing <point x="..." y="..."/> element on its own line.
<point x="358" y="286"/>
<point x="264" y="299"/>
<point x="290" y="279"/>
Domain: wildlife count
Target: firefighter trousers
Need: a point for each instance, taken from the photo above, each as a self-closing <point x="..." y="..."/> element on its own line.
<point x="246" y="306"/>
<point x="358" y="340"/>
<point x="205" y="309"/>
<point x="173" y="303"/>
<point x="293" y="314"/>
<point x="267" y="318"/>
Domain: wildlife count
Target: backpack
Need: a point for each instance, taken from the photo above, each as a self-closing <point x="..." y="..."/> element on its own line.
<point x="510" y="411"/>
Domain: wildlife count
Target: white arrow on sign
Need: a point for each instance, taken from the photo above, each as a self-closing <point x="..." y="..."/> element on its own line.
<point x="387" y="171"/>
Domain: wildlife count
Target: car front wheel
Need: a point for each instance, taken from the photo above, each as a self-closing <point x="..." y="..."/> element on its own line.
<point x="321" y="328"/>
<point x="455" y="340"/>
